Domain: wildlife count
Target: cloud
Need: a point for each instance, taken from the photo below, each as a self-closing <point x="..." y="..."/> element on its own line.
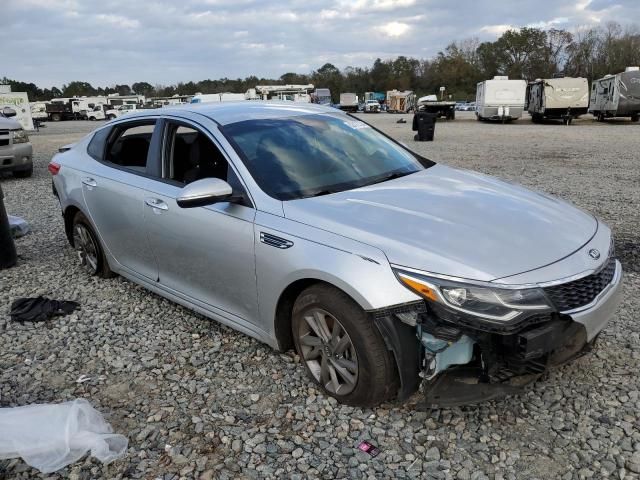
<point x="163" y="41"/>
<point x="394" y="29"/>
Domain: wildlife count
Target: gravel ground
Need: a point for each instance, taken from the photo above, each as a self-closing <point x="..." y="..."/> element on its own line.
<point x="198" y="400"/>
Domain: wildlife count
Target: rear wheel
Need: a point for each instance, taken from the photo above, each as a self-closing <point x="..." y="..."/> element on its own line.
<point x="635" y="118"/>
<point x="56" y="117"/>
<point x="88" y="249"/>
<point x="342" y="350"/>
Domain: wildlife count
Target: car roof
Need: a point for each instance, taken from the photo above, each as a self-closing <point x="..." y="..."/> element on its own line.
<point x="226" y="113"/>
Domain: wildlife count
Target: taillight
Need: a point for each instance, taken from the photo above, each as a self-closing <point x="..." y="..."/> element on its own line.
<point x="53" y="168"/>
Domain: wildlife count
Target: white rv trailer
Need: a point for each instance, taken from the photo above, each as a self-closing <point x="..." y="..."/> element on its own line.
<point x="500" y="99"/>
<point x="218" y="97"/>
<point x="39" y="110"/>
<point x="294" y="93"/>
<point x="563" y="98"/>
<point x="19" y="101"/>
<point x="616" y="95"/>
<point x="400" y="102"/>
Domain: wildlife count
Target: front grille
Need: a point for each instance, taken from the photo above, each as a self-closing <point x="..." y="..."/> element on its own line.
<point x="579" y="293"/>
<point x="4" y="142"/>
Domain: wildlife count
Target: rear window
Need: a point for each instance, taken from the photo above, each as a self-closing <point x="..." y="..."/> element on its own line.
<point x="97" y="143"/>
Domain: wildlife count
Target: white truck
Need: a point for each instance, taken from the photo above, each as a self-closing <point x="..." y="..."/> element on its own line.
<point x="563" y="98"/>
<point x="616" y="95"/>
<point x="119" y="110"/>
<point x="349" y="102"/>
<point x="500" y="99"/>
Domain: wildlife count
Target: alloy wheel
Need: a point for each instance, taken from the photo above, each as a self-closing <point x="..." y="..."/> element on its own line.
<point x="86" y="248"/>
<point x="328" y="351"/>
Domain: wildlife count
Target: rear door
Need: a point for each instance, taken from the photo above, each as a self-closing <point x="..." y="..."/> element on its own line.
<point x="115" y="191"/>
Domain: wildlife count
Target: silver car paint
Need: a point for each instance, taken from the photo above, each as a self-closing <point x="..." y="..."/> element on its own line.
<point x="331" y="249"/>
<point x="453" y="222"/>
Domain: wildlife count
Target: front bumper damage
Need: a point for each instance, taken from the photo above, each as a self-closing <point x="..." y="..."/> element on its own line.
<point x="461" y="360"/>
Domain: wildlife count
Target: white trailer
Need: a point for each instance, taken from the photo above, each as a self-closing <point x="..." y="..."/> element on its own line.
<point x="218" y="97"/>
<point x="19" y="101"/>
<point x="563" y="98"/>
<point x="500" y="99"/>
<point x="293" y="93"/>
<point x="616" y="95"/>
<point x="349" y="102"/>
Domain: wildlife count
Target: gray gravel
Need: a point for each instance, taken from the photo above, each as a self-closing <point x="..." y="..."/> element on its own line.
<point x="198" y="400"/>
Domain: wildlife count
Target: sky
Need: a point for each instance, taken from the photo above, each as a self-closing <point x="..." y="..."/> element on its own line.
<point x="107" y="42"/>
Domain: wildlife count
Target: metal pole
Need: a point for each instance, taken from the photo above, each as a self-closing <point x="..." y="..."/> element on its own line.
<point x="8" y="255"/>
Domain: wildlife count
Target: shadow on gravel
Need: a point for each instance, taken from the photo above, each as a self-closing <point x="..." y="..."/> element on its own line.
<point x="628" y="251"/>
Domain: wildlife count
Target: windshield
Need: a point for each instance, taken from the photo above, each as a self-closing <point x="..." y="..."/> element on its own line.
<point x="312" y="155"/>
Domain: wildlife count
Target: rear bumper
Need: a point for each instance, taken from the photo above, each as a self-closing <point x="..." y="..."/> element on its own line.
<point x="595" y="316"/>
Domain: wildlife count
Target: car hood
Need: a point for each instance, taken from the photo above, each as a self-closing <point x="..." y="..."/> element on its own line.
<point x="9" y="124"/>
<point x="453" y="222"/>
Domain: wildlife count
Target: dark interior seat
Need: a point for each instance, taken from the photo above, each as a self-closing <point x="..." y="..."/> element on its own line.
<point x="206" y="161"/>
<point x="133" y="152"/>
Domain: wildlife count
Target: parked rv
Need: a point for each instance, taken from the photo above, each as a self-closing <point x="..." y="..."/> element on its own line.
<point x="563" y="98"/>
<point x="349" y="102"/>
<point x="401" y="102"/>
<point x="18" y="101"/>
<point x="500" y="99"/>
<point x="218" y="97"/>
<point x="616" y="95"/>
<point x="292" y="93"/>
<point x="38" y="110"/>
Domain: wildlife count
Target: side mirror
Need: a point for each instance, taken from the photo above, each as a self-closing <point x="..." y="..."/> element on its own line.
<point x="206" y="191"/>
<point x="8" y="112"/>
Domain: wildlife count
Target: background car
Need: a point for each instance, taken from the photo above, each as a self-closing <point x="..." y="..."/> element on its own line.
<point x="16" y="151"/>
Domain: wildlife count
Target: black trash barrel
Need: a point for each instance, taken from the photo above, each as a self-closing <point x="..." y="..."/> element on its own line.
<point x="425" y="124"/>
<point x="8" y="255"/>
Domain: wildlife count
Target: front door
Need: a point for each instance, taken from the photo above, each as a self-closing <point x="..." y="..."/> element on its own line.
<point x="203" y="253"/>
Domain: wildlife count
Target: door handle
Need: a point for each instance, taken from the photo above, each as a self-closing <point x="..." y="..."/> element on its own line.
<point x="157" y="204"/>
<point x="89" y="182"/>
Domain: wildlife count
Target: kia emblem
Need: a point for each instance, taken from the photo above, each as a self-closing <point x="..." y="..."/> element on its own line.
<point x="595" y="254"/>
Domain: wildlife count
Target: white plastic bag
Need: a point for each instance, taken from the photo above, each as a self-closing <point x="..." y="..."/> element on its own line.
<point x="18" y="226"/>
<point x="50" y="437"/>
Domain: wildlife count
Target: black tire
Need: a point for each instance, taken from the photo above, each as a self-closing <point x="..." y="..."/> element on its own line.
<point x="56" y="117"/>
<point x="23" y="173"/>
<point x="376" y="378"/>
<point x="635" y="118"/>
<point x="111" y="117"/>
<point x="101" y="267"/>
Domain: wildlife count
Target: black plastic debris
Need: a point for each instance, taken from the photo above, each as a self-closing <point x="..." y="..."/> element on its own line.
<point x="40" y="309"/>
<point x="402" y="120"/>
<point x="369" y="448"/>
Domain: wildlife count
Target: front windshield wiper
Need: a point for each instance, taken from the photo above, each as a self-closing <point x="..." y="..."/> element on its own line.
<point x="320" y="193"/>
<point x="390" y="176"/>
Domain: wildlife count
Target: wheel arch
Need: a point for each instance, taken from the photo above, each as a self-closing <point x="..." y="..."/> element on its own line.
<point x="284" y="307"/>
<point x="68" y="215"/>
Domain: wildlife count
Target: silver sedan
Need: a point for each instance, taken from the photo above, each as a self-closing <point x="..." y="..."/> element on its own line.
<point x="306" y="228"/>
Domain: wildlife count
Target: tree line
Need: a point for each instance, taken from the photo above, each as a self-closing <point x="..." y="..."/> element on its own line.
<point x="526" y="53"/>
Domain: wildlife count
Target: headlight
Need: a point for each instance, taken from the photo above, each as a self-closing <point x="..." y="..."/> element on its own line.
<point x="491" y="303"/>
<point x="20" y="136"/>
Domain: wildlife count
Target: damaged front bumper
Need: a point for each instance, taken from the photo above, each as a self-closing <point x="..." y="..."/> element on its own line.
<point x="459" y="359"/>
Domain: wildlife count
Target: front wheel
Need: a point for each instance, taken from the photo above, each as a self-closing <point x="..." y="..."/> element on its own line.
<point x="341" y="348"/>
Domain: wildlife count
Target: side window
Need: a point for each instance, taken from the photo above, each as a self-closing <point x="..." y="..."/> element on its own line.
<point x="96" y="146"/>
<point x="128" y="145"/>
<point x="192" y="156"/>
